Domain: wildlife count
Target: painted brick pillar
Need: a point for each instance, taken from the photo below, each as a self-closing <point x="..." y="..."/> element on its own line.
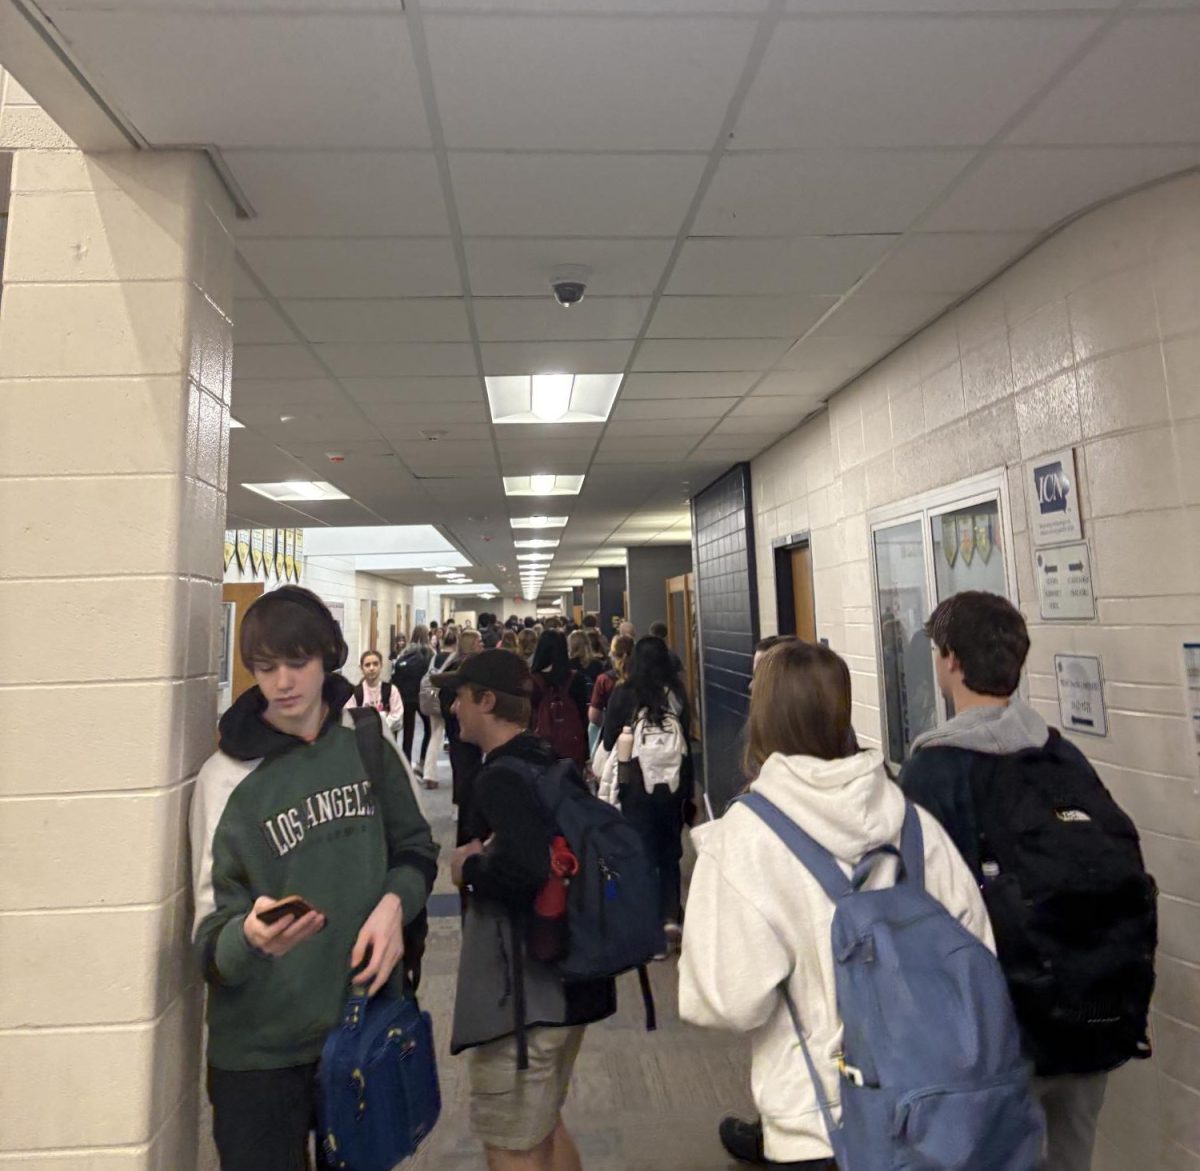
<point x="115" y="364"/>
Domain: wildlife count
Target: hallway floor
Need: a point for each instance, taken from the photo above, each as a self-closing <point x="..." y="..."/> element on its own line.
<point x="639" y="1101"/>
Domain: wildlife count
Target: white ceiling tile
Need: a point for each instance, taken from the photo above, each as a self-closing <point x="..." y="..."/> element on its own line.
<point x="340" y="193"/>
<point x="405" y="359"/>
<point x="670" y="409"/>
<point x="432" y="319"/>
<point x="661" y="424"/>
<point x="685" y="386"/>
<point x="1033" y="188"/>
<point x="330" y="428"/>
<point x="258" y="322"/>
<point x="1138" y="85"/>
<point x="285" y="361"/>
<point x="523" y="268"/>
<point x="824" y="192"/>
<point x="573" y="195"/>
<point x="407" y="436"/>
<point x="354" y="268"/>
<point x="807" y="386"/>
<point x="512" y="319"/>
<point x="949" y="6"/>
<point x="835" y="353"/>
<point x="881" y="315"/>
<point x="763" y="407"/>
<point x="547" y="437"/>
<point x="706" y="317"/>
<point x="951" y="262"/>
<point x="899" y="81"/>
<point x="286" y="79"/>
<point x="737" y="429"/>
<point x="244" y="288"/>
<point x="605" y="357"/>
<point x="395" y="415"/>
<point x="596" y="7"/>
<point x="415" y="390"/>
<point x="711" y="354"/>
<point x="799" y="264"/>
<point x="524" y="82"/>
<point x="285" y="394"/>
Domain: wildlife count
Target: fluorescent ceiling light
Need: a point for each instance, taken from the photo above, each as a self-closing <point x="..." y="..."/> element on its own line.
<point x="537" y="543"/>
<point x="542" y="484"/>
<point x="538" y="522"/>
<point x="294" y="490"/>
<point x="535" y="556"/>
<point x="234" y="424"/>
<point x="552" y="397"/>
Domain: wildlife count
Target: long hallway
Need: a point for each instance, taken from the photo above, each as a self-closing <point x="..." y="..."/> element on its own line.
<point x="639" y="1101"/>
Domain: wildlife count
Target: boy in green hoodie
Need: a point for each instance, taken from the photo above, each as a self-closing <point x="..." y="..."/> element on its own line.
<point x="285" y="808"/>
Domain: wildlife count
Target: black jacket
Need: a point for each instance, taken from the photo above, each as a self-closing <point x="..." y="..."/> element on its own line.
<point x="409" y="669"/>
<point x="516" y="864"/>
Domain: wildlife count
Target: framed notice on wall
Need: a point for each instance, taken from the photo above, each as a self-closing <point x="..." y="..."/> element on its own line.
<point x="280" y="555"/>
<point x="257" y="541"/>
<point x="289" y="554"/>
<point x="1052" y="499"/>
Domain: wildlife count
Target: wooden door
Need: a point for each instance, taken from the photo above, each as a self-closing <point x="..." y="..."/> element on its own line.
<point x="681" y="629"/>
<point x="373" y="645"/>
<point x="803" y="603"/>
<point x="242" y="596"/>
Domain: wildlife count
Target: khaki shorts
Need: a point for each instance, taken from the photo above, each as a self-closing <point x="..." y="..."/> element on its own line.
<point x="514" y="1110"/>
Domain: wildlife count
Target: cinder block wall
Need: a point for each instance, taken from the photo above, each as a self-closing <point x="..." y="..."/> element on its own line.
<point x="1092" y="341"/>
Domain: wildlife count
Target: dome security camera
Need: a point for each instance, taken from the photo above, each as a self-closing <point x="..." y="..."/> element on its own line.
<point x="569" y="284"/>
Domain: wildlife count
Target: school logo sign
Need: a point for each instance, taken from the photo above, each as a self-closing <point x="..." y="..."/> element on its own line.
<point x="1053" y="487"/>
<point x="1052" y="499"/>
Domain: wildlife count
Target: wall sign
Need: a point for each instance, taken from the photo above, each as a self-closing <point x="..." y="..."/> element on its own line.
<point x="1191" y="666"/>
<point x="1081" y="694"/>
<point x="1052" y="498"/>
<point x="1064" y="581"/>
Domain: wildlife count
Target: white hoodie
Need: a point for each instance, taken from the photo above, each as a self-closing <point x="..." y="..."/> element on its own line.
<point x="756" y="917"/>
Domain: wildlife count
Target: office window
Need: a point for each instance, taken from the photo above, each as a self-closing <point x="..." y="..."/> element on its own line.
<point x="924" y="551"/>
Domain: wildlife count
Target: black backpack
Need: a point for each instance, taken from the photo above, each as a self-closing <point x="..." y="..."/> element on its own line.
<point x="1072" y="907"/>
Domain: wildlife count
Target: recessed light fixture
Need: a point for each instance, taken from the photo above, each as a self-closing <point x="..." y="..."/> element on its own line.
<point x="538" y="522"/>
<point x="542" y="484"/>
<point x="537" y="543"/>
<point x="295" y="490"/>
<point x="552" y="397"/>
<point x="535" y="556"/>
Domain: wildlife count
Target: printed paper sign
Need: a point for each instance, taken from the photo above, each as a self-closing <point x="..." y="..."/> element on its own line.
<point x="1052" y="499"/>
<point x="1081" y="694"/>
<point x="1064" y="581"/>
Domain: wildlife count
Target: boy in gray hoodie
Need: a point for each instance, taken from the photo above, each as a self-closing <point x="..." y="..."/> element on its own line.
<point x="981" y="643"/>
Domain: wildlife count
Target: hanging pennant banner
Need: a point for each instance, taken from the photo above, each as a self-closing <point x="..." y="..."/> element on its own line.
<point x="280" y="562"/>
<point x="257" y="540"/>
<point x="966" y="539"/>
<point x="950" y="540"/>
<point x="299" y="553"/>
<point x="289" y="553"/>
<point x="983" y="536"/>
<point x="230" y="546"/>
<point x="243" y="549"/>
<point x="268" y="553"/>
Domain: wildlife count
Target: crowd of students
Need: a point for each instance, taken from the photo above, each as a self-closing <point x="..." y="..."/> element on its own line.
<point x="999" y="820"/>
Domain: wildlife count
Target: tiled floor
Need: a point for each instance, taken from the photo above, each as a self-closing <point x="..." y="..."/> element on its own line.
<point x="639" y="1102"/>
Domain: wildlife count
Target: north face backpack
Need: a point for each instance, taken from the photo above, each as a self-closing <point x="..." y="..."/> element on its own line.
<point x="659" y="747"/>
<point x="932" y="1075"/>
<point x="558" y="722"/>
<point x="1073" y="909"/>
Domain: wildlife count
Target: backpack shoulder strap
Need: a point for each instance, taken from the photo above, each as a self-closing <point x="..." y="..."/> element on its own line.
<point x="912" y="846"/>
<point x="817" y="860"/>
<point x="385" y="694"/>
<point x="368" y="732"/>
<point x="358" y="694"/>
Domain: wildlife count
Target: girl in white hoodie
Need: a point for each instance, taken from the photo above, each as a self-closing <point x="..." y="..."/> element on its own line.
<point x="757" y="918"/>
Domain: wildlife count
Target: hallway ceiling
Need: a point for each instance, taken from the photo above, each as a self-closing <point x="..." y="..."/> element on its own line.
<point x="770" y="195"/>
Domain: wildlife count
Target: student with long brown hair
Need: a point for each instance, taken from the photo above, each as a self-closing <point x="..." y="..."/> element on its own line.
<point x="758" y="919"/>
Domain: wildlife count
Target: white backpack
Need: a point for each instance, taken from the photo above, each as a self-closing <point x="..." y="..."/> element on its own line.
<point x="659" y="748"/>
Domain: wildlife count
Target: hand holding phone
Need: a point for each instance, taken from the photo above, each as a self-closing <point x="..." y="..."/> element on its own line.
<point x="275" y="926"/>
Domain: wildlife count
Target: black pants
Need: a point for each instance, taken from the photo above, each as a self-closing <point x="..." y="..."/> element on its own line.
<point x="410" y="726"/>
<point x="658" y="818"/>
<point x="262" y="1118"/>
<point x="465" y="762"/>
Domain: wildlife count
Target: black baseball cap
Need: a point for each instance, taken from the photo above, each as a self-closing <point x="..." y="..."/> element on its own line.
<point x="494" y="670"/>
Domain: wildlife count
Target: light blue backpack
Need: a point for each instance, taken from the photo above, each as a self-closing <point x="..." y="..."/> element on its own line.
<point x="932" y="1077"/>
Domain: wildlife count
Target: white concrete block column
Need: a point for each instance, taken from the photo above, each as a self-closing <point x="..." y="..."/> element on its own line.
<point x="115" y="363"/>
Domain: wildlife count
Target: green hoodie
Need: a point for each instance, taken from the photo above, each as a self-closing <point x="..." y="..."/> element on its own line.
<point x="273" y="815"/>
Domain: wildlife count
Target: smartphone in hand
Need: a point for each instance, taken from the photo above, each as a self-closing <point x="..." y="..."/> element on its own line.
<point x="292" y="907"/>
